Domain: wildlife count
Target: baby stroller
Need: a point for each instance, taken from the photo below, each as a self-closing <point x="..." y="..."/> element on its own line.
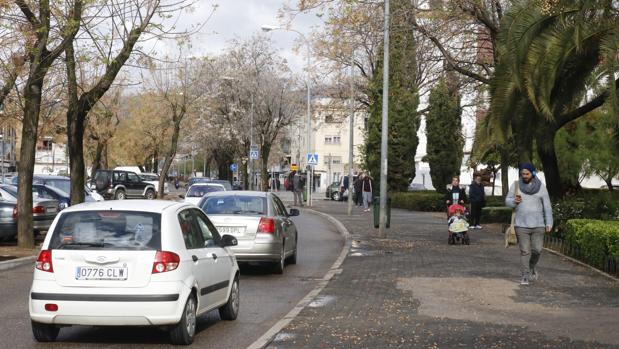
<point x="458" y="226"/>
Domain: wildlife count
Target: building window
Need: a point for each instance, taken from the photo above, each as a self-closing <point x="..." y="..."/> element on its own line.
<point x="328" y="140"/>
<point x="337" y="139"/>
<point x="333" y="160"/>
<point x="330" y="119"/>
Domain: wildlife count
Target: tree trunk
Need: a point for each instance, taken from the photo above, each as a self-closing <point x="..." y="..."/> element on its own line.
<point x="170" y="155"/>
<point x="75" y="131"/>
<point x="548" y="156"/>
<point x="265" y="150"/>
<point x="504" y="172"/>
<point x="156" y="161"/>
<point x="609" y="183"/>
<point x="25" y="168"/>
<point x="245" y="172"/>
<point x="98" y="159"/>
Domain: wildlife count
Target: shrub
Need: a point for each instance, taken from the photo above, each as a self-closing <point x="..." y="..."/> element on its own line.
<point x="595" y="238"/>
<point x="426" y="201"/>
<point x="495" y="201"/>
<point x="587" y="204"/>
<point x="500" y="214"/>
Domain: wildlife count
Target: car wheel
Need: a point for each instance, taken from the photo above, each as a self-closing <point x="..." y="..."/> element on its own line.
<point x="44" y="332"/>
<point x="278" y="267"/>
<point x="336" y="196"/>
<point x="120" y="195"/>
<point x="231" y="309"/>
<point x="150" y="194"/>
<point x="183" y="332"/>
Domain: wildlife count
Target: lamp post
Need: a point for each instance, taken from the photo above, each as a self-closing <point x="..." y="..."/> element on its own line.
<point x="2" y="155"/>
<point x="268" y="28"/>
<point x="384" y="129"/>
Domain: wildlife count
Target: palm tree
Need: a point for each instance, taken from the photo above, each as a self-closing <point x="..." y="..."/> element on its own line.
<point x="548" y="55"/>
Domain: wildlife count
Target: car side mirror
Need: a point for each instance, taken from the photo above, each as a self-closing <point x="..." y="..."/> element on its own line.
<point x="229" y="240"/>
<point x="294" y="212"/>
<point x="181" y="196"/>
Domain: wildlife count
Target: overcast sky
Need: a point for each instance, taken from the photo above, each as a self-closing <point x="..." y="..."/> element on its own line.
<point x="241" y="19"/>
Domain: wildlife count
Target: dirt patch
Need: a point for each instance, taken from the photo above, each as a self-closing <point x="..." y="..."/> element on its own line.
<point x="12" y="252"/>
<point x="499" y="301"/>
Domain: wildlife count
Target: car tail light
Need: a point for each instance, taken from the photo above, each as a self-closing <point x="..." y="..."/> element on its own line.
<point x="165" y="261"/>
<point x="15" y="212"/>
<point x="266" y="226"/>
<point x="44" y="261"/>
<point x="38" y="209"/>
<point x="51" y="307"/>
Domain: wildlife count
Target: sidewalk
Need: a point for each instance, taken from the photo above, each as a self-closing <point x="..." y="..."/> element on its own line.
<point x="412" y="290"/>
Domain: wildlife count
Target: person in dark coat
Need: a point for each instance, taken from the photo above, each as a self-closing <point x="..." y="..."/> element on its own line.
<point x="477" y="197"/>
<point x="358" y="194"/>
<point x="456" y="194"/>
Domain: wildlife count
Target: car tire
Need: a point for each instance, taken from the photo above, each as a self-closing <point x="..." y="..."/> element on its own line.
<point x="120" y="195"/>
<point x="231" y="309"/>
<point x="44" y="332"/>
<point x="184" y="332"/>
<point x="335" y="196"/>
<point x="278" y="267"/>
<point x="150" y="194"/>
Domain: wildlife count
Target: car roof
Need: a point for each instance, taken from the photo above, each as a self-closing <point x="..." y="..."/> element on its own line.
<point x="238" y="193"/>
<point x="149" y="174"/>
<point x="44" y="176"/>
<point x="154" y="206"/>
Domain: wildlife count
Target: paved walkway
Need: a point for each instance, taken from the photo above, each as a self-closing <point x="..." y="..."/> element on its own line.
<point x="412" y="290"/>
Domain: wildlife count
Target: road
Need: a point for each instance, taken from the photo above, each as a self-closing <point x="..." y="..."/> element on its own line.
<point x="265" y="298"/>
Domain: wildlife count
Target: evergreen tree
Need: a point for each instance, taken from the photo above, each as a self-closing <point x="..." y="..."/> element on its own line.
<point x="444" y="133"/>
<point x="403" y="102"/>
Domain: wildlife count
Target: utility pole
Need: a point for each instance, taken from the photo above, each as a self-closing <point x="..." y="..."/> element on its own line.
<point x="384" y="165"/>
<point x="351" y="140"/>
<point x="2" y="156"/>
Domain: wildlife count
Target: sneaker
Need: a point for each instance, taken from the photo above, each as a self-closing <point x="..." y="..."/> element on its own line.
<point x="525" y="280"/>
<point x="534" y="276"/>
<point x="478" y="227"/>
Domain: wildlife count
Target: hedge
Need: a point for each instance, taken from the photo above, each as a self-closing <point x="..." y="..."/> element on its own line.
<point x="425" y="201"/>
<point x="595" y="238"/>
<point x="500" y="214"/>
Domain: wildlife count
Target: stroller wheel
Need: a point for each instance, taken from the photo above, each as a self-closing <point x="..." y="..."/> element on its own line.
<point x="451" y="241"/>
<point x="466" y="240"/>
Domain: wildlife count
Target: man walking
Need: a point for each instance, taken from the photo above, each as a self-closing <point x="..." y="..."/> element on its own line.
<point x="529" y="197"/>
<point x="366" y="189"/>
<point x="477" y="196"/>
<point x="298" y="184"/>
<point x="358" y="193"/>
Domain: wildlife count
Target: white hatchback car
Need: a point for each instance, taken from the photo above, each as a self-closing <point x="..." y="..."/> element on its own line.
<point x="138" y="262"/>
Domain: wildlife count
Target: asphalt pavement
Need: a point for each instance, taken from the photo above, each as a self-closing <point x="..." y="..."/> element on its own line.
<point x="265" y="299"/>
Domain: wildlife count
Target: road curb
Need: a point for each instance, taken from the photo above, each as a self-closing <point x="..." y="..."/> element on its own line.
<point x="576" y="261"/>
<point x="268" y="336"/>
<point x="17" y="262"/>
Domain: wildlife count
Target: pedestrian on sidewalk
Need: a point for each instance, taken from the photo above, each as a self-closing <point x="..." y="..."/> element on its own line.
<point x="298" y="184"/>
<point x="477" y="197"/>
<point x="366" y="189"/>
<point x="455" y="195"/>
<point x="358" y="192"/>
<point x="533" y="218"/>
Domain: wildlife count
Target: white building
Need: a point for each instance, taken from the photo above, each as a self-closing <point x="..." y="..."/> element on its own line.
<point x="330" y="138"/>
<point x="51" y="158"/>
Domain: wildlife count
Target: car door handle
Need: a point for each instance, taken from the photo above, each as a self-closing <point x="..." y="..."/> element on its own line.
<point x="194" y="258"/>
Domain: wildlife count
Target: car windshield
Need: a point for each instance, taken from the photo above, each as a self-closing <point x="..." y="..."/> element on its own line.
<point x="10" y="190"/>
<point x="62" y="184"/>
<point x="108" y="230"/>
<point x="198" y="191"/>
<point x="235" y="204"/>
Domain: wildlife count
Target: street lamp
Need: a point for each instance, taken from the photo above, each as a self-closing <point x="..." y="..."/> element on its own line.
<point x="268" y="28"/>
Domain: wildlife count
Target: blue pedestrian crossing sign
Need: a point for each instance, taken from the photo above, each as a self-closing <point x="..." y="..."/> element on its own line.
<point x="254" y="154"/>
<point x="233" y="167"/>
<point x="312" y="159"/>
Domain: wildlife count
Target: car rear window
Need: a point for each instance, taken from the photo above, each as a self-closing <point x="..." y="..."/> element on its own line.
<point x="198" y="191"/>
<point x="237" y="204"/>
<point x="62" y="184"/>
<point x="108" y="230"/>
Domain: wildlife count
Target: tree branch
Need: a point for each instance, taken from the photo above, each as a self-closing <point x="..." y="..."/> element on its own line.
<point x="584" y="109"/>
<point x="30" y="16"/>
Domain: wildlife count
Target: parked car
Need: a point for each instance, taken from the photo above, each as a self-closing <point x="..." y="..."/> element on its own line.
<point x="153" y="179"/>
<point x="343" y="188"/>
<point x="43" y="212"/>
<point x="416" y="187"/>
<point x="224" y="182"/>
<point x="194" y="180"/>
<point x="62" y="183"/>
<point x="120" y="185"/>
<point x="259" y="221"/>
<point x="333" y="191"/>
<point x="133" y="263"/>
<point x="197" y="191"/>
<point x="47" y="192"/>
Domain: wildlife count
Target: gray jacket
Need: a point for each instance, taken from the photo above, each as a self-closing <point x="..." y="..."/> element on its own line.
<point x="535" y="211"/>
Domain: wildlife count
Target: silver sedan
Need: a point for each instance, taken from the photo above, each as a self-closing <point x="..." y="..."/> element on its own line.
<point x="260" y="223"/>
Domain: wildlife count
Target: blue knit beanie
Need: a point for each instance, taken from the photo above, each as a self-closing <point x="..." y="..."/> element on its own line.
<point x="528" y="166"/>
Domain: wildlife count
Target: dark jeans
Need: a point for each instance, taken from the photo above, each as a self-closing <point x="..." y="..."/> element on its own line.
<point x="476" y="212"/>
